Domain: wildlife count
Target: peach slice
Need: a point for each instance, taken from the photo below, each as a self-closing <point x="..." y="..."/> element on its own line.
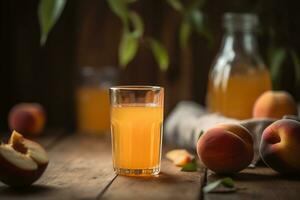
<point x="179" y="157"/>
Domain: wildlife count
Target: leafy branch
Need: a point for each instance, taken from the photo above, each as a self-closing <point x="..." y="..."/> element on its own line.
<point x="133" y="34"/>
<point x="49" y="12"/>
<point x="193" y="20"/>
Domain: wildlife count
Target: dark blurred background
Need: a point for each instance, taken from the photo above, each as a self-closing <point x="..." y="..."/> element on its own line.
<point x="88" y="34"/>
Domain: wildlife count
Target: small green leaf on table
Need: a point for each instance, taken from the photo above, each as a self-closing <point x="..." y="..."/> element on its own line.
<point x="49" y="12"/>
<point x="200" y="134"/>
<point x="226" y="184"/>
<point x="190" y="167"/>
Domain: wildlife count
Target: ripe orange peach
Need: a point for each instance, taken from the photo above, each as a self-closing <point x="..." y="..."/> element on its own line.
<point x="274" y="104"/>
<point x="28" y="118"/>
<point x="226" y="148"/>
<point x="280" y="146"/>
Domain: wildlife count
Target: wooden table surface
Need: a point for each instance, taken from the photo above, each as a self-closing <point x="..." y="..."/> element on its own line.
<point x="81" y="168"/>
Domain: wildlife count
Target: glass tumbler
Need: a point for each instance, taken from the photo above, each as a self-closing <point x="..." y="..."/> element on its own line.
<point x="136" y="129"/>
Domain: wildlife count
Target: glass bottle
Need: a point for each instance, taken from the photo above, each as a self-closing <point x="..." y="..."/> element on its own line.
<point x="238" y="75"/>
<point x="92" y="98"/>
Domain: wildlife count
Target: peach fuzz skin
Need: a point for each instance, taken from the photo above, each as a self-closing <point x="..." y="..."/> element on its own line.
<point x="28" y="118"/>
<point x="274" y="104"/>
<point x="280" y="146"/>
<point x="226" y="148"/>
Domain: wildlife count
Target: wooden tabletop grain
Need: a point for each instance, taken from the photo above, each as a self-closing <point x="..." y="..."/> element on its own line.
<point x="81" y="168"/>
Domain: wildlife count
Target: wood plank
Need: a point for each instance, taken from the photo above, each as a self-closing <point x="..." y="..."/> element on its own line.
<point x="50" y="138"/>
<point x="80" y="168"/>
<point x="170" y="184"/>
<point x="259" y="183"/>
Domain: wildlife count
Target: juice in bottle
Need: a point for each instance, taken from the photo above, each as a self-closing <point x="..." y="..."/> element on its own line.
<point x="236" y="96"/>
<point x="238" y="76"/>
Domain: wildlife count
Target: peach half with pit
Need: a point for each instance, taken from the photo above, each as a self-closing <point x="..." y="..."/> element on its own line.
<point x="22" y="161"/>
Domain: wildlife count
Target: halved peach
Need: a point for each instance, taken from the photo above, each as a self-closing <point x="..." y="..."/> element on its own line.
<point x="22" y="161"/>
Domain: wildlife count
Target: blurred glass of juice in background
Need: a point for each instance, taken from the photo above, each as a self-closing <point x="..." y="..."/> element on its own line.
<point x="238" y="75"/>
<point x="92" y="96"/>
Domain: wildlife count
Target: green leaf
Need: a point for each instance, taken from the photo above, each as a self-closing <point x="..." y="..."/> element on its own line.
<point x="201" y="3"/>
<point x="206" y="33"/>
<point x="128" y="48"/>
<point x="196" y="19"/>
<point x="176" y="5"/>
<point x="184" y="33"/>
<point x="119" y="7"/>
<point x="196" y="4"/>
<point x="137" y="23"/>
<point x="200" y="134"/>
<point x="276" y="58"/>
<point x="49" y="12"/>
<point x="226" y="182"/>
<point x="160" y="54"/>
<point x="131" y="1"/>
<point x="190" y="167"/>
<point x="296" y="62"/>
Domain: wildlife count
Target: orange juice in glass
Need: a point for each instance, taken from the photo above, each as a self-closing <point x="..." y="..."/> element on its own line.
<point x="136" y="129"/>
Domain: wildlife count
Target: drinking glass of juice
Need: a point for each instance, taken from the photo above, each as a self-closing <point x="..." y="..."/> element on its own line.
<point x="92" y="99"/>
<point x="136" y="129"/>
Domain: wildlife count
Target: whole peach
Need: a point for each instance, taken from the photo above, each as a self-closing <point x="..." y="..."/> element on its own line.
<point x="280" y="146"/>
<point x="28" y="118"/>
<point x="274" y="104"/>
<point x="226" y="148"/>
